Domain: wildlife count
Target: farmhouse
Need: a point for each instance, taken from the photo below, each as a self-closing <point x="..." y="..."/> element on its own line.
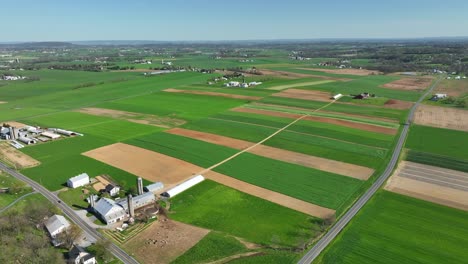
<point x="153" y="188"/>
<point x="78" y="181"/>
<point x="183" y="186"/>
<point x="77" y="255"/>
<point x="112" y="190"/>
<point x="108" y="210"/>
<point x="55" y="226"/>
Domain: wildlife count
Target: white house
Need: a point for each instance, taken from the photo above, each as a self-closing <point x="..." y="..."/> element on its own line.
<point x="56" y="225"/>
<point x="109" y="211"/>
<point x="113" y="190"/>
<point x="78" y="181"/>
<point x="77" y="255"/>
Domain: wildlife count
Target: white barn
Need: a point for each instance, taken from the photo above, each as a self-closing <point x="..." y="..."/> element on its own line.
<point x="78" y="181"/>
<point x="109" y="211"/>
<point x="154" y="187"/>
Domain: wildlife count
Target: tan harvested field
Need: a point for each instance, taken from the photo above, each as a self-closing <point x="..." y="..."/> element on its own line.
<point x="410" y="83"/>
<point x="346" y="123"/>
<point x="146" y="119"/>
<point x="147" y="164"/>
<point x="443" y="117"/>
<point x="453" y="87"/>
<point x="234" y="96"/>
<point x="16" y="157"/>
<point x="3" y="102"/>
<point x="434" y="184"/>
<point x="278" y="198"/>
<point x="305" y="95"/>
<point x="15" y="124"/>
<point x="164" y="241"/>
<point x="293" y="75"/>
<point x="99" y="186"/>
<point x="287" y="86"/>
<point x="358" y="72"/>
<point x="333" y="166"/>
<point x="101" y="183"/>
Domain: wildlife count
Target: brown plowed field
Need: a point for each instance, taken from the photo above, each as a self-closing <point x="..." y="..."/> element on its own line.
<point x="146" y="119"/>
<point x="333" y="166"/>
<point x="278" y="198"/>
<point x="453" y="87"/>
<point x="234" y="96"/>
<point x="148" y="164"/>
<point x="15" y="124"/>
<point x="398" y="104"/>
<point x="442" y="117"/>
<point x="16" y="157"/>
<point x="434" y="184"/>
<point x="293" y="75"/>
<point x="357" y="72"/>
<point x="346" y="123"/>
<point x="410" y="83"/>
<point x="305" y="95"/>
<point x="164" y="241"/>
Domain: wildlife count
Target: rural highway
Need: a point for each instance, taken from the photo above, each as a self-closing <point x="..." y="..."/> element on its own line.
<point x="70" y="213"/>
<point x="343" y="221"/>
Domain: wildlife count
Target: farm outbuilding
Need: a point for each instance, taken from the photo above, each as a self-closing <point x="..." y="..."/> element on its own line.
<point x="109" y="211"/>
<point x="27" y="141"/>
<point x="183" y="186"/>
<point x="154" y="187"/>
<point x="78" y="181"/>
<point x="65" y="132"/>
<point x="337" y="96"/>
<point x="50" y="135"/>
<point x="112" y="189"/>
<point x="137" y="201"/>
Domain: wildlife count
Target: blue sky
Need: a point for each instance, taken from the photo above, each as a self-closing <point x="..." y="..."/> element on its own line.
<point x="67" y="20"/>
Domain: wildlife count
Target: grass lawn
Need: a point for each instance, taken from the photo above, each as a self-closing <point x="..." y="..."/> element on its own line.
<point x="393" y="228"/>
<point x="439" y="141"/>
<point x="217" y="207"/>
<point x="7" y="181"/>
<point x="76" y="197"/>
<point x="311" y="185"/>
<point x="212" y="247"/>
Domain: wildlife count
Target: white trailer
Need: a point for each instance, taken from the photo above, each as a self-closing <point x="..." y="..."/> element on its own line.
<point x="183" y="186"/>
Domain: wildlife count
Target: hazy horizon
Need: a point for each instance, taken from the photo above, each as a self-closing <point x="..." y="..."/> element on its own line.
<point x="52" y="20"/>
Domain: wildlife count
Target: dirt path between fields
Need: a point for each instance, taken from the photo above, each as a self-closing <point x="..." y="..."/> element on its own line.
<point x="16" y="157"/>
<point x="275" y="197"/>
<point x="342" y="168"/>
<point x="139" y="118"/>
<point x="234" y="96"/>
<point x="357" y="72"/>
<point x="345" y="123"/>
<point x="442" y="117"/>
<point x="3" y="102"/>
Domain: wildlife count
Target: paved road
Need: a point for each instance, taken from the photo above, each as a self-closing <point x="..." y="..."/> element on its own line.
<point x="343" y="221"/>
<point x="89" y="232"/>
<point x="15" y="201"/>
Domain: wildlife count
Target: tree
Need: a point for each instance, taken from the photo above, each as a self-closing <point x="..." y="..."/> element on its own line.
<point x="101" y="250"/>
<point x="69" y="236"/>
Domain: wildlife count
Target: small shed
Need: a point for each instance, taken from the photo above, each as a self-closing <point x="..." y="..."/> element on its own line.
<point x="56" y="225"/>
<point x="112" y="189"/>
<point x="78" y="181"/>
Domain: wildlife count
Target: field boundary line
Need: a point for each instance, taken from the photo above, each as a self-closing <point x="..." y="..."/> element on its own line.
<point x="262" y="141"/>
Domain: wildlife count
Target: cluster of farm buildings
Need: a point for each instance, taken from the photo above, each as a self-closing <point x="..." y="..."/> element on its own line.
<point x="19" y="136"/>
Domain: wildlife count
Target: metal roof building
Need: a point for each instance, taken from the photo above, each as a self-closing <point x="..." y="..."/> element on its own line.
<point x="184" y="186"/>
<point x="109" y="210"/>
<point x="78" y="181"/>
<point x="56" y="225"/>
<point x="154" y="187"/>
<point x="138" y="201"/>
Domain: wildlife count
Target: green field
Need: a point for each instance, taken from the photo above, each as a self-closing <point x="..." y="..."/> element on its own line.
<point x="438" y="141"/>
<point x="437" y="160"/>
<point x="393" y="228"/>
<point x="212" y="247"/>
<point x="217" y="207"/>
<point x="311" y="185"/>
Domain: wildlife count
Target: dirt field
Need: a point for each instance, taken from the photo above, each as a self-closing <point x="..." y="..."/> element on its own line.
<point x="434" y="184"/>
<point x="442" y="117"/>
<point x="410" y="83"/>
<point x="146" y="119"/>
<point x="293" y="75"/>
<point x="305" y="95"/>
<point x="346" y="123"/>
<point x="16" y="157"/>
<point x="164" y="241"/>
<point x="101" y="184"/>
<point x="281" y="199"/>
<point x="235" y="96"/>
<point x="147" y="164"/>
<point x="357" y="72"/>
<point x="15" y="124"/>
<point x="398" y="104"/>
<point x="286" y="86"/>
<point x="341" y="168"/>
<point x="453" y="87"/>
